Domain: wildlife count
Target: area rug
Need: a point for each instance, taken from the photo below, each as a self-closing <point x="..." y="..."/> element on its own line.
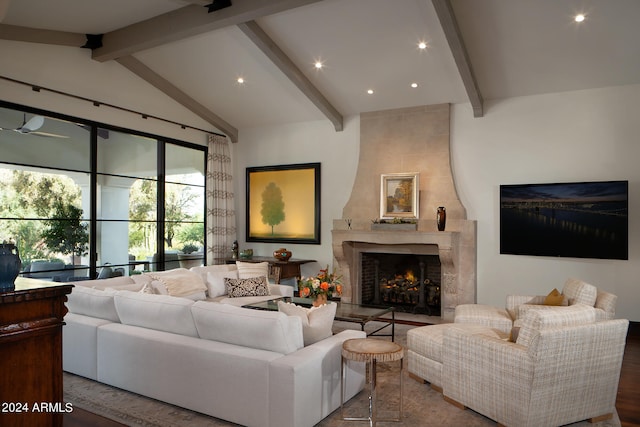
<point x="423" y="407"/>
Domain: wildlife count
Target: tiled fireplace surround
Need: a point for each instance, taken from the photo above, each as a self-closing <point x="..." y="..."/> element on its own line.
<point x="408" y="140"/>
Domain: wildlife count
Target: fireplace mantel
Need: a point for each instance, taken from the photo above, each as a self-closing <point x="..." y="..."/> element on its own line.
<point x="456" y="250"/>
<point x="412" y="139"/>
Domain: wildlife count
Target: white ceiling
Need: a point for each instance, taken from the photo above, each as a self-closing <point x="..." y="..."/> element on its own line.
<point x="515" y="47"/>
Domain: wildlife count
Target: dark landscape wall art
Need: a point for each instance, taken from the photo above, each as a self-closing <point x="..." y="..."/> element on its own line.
<point x="578" y="220"/>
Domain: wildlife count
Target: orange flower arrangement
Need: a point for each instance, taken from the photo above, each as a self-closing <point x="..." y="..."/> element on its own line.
<point x="324" y="283"/>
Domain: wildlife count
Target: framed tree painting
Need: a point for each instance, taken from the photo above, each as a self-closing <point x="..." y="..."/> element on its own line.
<point x="283" y="203"/>
<point x="399" y="195"/>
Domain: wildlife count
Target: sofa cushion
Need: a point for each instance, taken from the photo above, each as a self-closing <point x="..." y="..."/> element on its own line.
<point x="203" y="270"/>
<point x="93" y="302"/>
<point x="265" y="330"/>
<point x="180" y="282"/>
<point x="159" y="288"/>
<point x="317" y="322"/>
<point x="159" y="312"/>
<point x="544" y="317"/>
<point x="247" y="270"/>
<point x="215" y="282"/>
<point x="113" y="282"/>
<point x="253" y="287"/>
<point x="579" y="292"/>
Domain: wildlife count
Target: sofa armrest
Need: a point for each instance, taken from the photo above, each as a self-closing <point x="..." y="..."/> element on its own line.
<point x="304" y="386"/>
<point x="281" y="290"/>
<point x="480" y="371"/>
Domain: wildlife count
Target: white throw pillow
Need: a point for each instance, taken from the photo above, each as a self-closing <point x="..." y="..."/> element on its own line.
<point x="179" y="282"/>
<point x="215" y="282"/>
<point x="156" y="287"/>
<point x="247" y="270"/>
<point x="317" y="322"/>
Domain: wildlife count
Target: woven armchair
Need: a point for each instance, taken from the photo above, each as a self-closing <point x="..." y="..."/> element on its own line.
<point x="574" y="291"/>
<point x="564" y="367"/>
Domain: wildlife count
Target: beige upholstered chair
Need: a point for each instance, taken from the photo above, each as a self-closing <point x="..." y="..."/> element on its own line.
<point x="564" y="367"/>
<point x="574" y="291"/>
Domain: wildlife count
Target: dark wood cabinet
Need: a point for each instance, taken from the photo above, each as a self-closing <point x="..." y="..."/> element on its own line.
<point x="31" y="320"/>
<point x="278" y="269"/>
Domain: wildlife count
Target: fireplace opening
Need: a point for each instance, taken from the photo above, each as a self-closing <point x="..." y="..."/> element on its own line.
<point x="408" y="282"/>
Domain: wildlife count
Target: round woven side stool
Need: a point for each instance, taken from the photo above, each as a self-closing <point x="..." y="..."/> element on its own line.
<point x="371" y="351"/>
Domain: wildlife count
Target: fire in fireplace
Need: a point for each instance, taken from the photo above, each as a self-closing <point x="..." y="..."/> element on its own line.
<point x="408" y="282"/>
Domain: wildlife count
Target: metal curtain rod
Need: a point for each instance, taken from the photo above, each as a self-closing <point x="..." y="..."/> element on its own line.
<point x="38" y="88"/>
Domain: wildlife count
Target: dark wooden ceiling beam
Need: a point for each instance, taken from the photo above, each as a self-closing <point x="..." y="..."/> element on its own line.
<point x="162" y="84"/>
<point x="447" y="18"/>
<point x="186" y="22"/>
<point x="257" y="35"/>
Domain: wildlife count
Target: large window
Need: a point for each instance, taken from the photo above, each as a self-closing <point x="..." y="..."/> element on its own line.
<point x="84" y="200"/>
<point x="184" y="201"/>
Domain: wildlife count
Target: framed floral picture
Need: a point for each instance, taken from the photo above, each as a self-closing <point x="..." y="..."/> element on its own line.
<point x="399" y="195"/>
<point x="283" y="203"/>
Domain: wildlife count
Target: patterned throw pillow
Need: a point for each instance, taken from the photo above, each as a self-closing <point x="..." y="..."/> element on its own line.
<point x="253" y="287"/>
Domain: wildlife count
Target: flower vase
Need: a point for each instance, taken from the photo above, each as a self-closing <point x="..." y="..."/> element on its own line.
<point x="9" y="266"/>
<point x="320" y="299"/>
<point x="441" y="218"/>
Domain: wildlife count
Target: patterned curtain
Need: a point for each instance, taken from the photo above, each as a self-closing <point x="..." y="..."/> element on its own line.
<point x="221" y="215"/>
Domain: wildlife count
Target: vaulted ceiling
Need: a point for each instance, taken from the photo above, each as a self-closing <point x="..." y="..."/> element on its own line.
<point x="476" y="51"/>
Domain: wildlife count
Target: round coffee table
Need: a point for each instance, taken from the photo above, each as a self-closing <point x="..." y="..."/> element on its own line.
<point x="371" y="351"/>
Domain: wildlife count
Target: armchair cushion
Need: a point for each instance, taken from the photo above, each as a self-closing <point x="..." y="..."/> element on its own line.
<point x="579" y="292"/>
<point x="546" y="317"/>
<point x="606" y="302"/>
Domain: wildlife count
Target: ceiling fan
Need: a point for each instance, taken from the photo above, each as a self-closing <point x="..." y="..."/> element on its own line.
<point x="31" y="127"/>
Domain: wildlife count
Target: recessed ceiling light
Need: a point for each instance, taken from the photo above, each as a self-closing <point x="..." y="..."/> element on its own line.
<point x="240" y="80"/>
<point x="370" y="91"/>
<point x="414" y="85"/>
<point x="579" y="18"/>
<point x="422" y="45"/>
<point x="318" y="65"/>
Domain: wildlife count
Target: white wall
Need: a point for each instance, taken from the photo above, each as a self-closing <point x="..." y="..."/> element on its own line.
<point x="564" y="137"/>
<point x="301" y="143"/>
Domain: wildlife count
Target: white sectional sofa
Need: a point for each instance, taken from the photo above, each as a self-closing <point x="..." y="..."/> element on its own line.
<point x="245" y="366"/>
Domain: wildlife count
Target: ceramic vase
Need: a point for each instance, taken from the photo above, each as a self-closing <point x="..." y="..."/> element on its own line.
<point x="9" y="266"/>
<point x="441" y="218"/>
<point x="320" y="299"/>
<point x="282" y="254"/>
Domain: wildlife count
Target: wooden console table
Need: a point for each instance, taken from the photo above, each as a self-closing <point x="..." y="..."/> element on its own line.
<point x="31" y="319"/>
<point x="279" y="269"/>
